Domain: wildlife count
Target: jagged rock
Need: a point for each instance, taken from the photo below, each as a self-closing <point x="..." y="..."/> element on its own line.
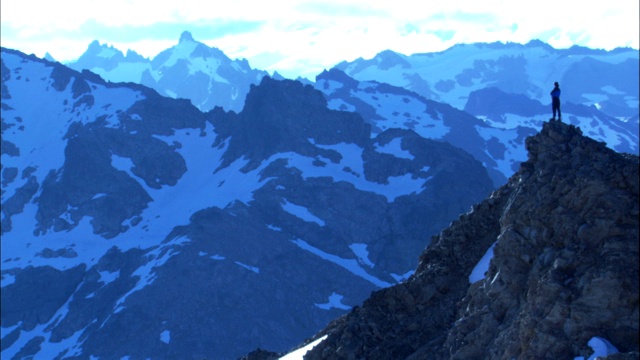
<point x="565" y="229"/>
<point x="260" y="354"/>
<point x="623" y="356"/>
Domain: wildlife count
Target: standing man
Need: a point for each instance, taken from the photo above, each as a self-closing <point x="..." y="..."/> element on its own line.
<point x="555" y="101"/>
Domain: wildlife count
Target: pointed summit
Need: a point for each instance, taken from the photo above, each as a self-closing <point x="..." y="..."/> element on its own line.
<point x="186" y="36"/>
<point x="48" y="56"/>
<point x="94" y="47"/>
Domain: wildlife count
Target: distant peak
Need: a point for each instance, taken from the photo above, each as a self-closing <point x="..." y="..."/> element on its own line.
<point x="95" y="44"/>
<point x="388" y="59"/>
<point x="48" y="56"/>
<point x="337" y="75"/>
<point x="387" y="52"/>
<point x="186" y="36"/>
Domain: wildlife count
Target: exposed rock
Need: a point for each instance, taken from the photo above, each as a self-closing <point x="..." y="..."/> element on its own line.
<point x="274" y="120"/>
<point x="37" y="294"/>
<point x="634" y="355"/>
<point x="260" y="354"/>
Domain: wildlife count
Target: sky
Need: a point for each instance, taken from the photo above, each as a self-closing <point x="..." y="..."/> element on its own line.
<point x="303" y="37"/>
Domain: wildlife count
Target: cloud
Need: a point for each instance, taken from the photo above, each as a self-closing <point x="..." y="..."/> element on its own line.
<point x="304" y="36"/>
<point x="340" y="9"/>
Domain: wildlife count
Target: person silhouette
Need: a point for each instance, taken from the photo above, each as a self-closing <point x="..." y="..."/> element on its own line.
<point x="555" y="101"/>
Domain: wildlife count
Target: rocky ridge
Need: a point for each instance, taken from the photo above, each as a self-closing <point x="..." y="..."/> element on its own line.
<point x="564" y="233"/>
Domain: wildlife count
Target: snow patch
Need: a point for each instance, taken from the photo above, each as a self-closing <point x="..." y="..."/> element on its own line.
<point x="400" y="278"/>
<point x="335" y="302"/>
<point x="299" y="353"/>
<point x="107" y="52"/>
<point x="7" y="279"/>
<point x="213" y="257"/>
<point x="362" y="254"/>
<point x="600" y="347"/>
<point x="107" y="277"/>
<point x="329" y="86"/>
<point x="165" y="336"/>
<point x="482" y="266"/>
<point x="351" y="169"/>
<point x="394" y="147"/>
<point x="340" y="105"/>
<point x="301" y="212"/>
<point x="122" y="163"/>
<point x="248" y="267"/>
<point x="351" y="265"/>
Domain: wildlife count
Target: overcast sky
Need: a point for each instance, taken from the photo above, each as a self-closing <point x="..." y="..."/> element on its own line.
<point x="297" y="37"/>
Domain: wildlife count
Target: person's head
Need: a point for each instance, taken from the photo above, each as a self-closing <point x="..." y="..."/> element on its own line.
<point x="556" y="84"/>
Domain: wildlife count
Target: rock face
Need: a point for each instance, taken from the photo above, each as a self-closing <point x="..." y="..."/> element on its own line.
<point x="564" y="234"/>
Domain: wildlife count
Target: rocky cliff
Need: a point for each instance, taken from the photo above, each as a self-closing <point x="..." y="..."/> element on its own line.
<point x="564" y="237"/>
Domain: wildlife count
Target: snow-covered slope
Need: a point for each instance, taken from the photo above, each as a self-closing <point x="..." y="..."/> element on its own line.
<point x="605" y="79"/>
<point x="495" y="136"/>
<point x="189" y="70"/>
<point x="136" y="225"/>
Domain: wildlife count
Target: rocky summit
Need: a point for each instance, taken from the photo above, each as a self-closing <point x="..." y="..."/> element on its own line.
<point x="542" y="269"/>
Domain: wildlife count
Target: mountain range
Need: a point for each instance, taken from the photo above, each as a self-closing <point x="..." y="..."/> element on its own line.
<point x="605" y="79"/>
<point x="189" y="70"/>
<point x="137" y="218"/>
<point x="502" y="85"/>
<point x="189" y="206"/>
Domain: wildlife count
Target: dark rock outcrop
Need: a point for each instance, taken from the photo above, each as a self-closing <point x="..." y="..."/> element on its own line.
<point x="281" y="116"/>
<point x="565" y="229"/>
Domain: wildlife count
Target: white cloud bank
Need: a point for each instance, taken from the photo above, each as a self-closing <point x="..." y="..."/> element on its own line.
<point x="298" y="37"/>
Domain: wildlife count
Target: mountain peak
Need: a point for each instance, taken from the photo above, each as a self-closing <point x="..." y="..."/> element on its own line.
<point x="48" y="56"/>
<point x="561" y="142"/>
<point x="388" y="59"/>
<point x="94" y="46"/>
<point x="337" y="75"/>
<point x="186" y="36"/>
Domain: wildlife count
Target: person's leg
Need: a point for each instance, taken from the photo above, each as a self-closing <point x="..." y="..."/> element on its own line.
<point x="559" y="113"/>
